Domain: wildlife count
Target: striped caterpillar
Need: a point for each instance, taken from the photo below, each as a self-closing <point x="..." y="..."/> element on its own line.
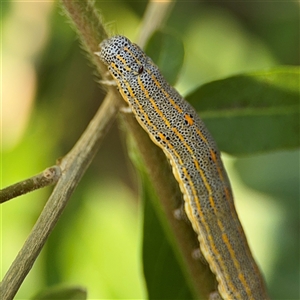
<point x="175" y="127"/>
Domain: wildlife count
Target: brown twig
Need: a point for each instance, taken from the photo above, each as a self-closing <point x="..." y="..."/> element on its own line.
<point x="47" y="177"/>
<point x="75" y="163"/>
<point x="73" y="166"/>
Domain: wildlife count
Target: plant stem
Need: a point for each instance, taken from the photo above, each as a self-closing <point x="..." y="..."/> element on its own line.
<point x="73" y="166"/>
<point x="47" y="177"/>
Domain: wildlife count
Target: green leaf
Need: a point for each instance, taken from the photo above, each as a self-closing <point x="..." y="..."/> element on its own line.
<point x="251" y="113"/>
<point x="163" y="274"/>
<point x="167" y="51"/>
<point x="62" y="293"/>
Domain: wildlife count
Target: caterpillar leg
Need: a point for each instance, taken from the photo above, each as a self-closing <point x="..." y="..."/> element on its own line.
<point x="108" y="82"/>
<point x="179" y="214"/>
<point x="126" y="110"/>
<point x="215" y="296"/>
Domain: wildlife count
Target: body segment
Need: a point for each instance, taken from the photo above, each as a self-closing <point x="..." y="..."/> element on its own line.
<point x="175" y="127"/>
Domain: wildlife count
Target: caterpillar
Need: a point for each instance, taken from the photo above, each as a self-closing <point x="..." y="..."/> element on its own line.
<point x="173" y="125"/>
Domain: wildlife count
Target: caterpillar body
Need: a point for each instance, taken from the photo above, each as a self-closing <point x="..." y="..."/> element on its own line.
<point x="173" y="124"/>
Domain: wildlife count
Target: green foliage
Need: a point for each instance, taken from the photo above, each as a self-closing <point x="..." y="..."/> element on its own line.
<point x="167" y="51"/>
<point x="254" y="112"/>
<point x="246" y="114"/>
<point x="164" y="276"/>
<point x="62" y="293"/>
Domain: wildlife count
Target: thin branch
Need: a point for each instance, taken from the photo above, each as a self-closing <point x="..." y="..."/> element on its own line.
<point x="89" y="26"/>
<point x="73" y="166"/>
<point x="155" y="15"/>
<point x="47" y="177"/>
<point x="75" y="163"/>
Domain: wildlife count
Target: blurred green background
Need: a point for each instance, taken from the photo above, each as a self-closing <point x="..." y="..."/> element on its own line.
<point x="49" y="94"/>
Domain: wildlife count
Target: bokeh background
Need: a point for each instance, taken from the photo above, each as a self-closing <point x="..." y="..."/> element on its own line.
<point x="49" y="94"/>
